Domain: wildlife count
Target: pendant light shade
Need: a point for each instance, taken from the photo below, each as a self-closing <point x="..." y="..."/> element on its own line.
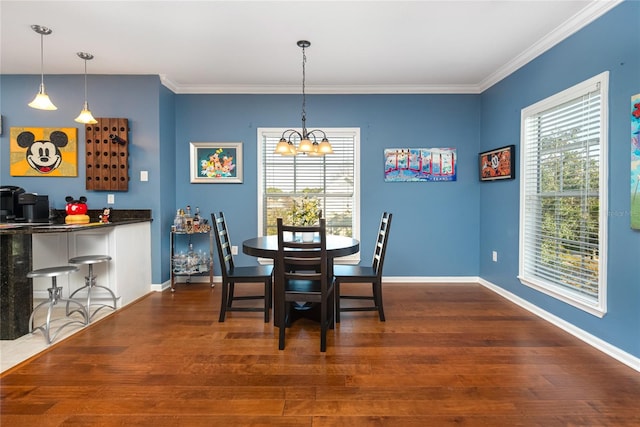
<point x="42" y="101"/>
<point x="85" y="115"/>
<point x="308" y="144"/>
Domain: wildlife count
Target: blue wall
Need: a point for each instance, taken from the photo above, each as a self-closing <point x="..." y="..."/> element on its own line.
<point x="439" y="229"/>
<point x="133" y="97"/>
<point x="610" y="43"/>
<point x="435" y="225"/>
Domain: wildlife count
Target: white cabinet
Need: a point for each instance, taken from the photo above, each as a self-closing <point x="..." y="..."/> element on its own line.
<point x="128" y="274"/>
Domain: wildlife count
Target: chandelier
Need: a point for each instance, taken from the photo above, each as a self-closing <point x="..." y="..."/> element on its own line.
<point x="308" y="143"/>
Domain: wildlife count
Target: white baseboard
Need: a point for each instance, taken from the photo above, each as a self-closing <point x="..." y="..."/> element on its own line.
<point x="194" y="279"/>
<point x="611" y="350"/>
<point x="441" y="279"/>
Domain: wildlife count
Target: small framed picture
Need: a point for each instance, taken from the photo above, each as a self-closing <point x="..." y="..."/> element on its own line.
<point x="497" y="164"/>
<point x="216" y="162"/>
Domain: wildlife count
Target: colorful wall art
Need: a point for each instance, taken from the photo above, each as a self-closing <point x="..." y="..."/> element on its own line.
<point x="497" y="164"/>
<point x="43" y="151"/>
<point x="216" y="162"/>
<point x="420" y="164"/>
<point x="635" y="162"/>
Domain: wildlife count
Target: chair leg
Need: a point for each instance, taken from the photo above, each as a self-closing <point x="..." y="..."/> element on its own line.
<point x="267" y="293"/>
<point x="323" y="325"/>
<point x="337" y="298"/>
<point x="377" y="295"/>
<point x="283" y="324"/>
<point x="223" y="303"/>
<point x="231" y="293"/>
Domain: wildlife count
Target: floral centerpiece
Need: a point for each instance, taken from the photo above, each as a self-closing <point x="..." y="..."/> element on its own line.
<point x="304" y="211"/>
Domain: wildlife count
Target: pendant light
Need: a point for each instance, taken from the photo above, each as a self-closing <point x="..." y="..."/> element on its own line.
<point x="285" y="146"/>
<point x="85" y="115"/>
<point x="42" y="101"/>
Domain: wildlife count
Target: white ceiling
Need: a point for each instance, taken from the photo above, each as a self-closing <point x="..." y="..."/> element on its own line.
<point x="250" y="46"/>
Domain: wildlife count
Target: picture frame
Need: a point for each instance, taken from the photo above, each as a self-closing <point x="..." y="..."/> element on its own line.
<point x="216" y="162"/>
<point x="497" y="164"/>
<point x="26" y="142"/>
<point x="420" y="164"/>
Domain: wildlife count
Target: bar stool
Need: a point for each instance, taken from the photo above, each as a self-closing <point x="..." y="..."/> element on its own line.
<point x="55" y="295"/>
<point x="90" y="282"/>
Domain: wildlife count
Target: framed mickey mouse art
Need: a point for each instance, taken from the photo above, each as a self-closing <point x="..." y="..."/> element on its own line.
<point x="497" y="164"/>
<point x="43" y="152"/>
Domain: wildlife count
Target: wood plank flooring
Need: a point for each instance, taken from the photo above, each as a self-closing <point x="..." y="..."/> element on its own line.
<point x="448" y="354"/>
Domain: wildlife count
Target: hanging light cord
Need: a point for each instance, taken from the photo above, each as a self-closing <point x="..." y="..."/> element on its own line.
<point x="41" y="60"/>
<point x="304" y="100"/>
<point x="85" y="81"/>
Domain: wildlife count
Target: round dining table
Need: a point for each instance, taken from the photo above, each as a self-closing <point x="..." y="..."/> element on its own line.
<point x="267" y="247"/>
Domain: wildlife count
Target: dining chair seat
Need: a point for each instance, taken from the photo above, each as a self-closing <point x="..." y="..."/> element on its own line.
<point x="365" y="274"/>
<point x="233" y="275"/>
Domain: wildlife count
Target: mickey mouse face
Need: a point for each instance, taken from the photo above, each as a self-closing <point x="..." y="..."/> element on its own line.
<point x="42" y="155"/>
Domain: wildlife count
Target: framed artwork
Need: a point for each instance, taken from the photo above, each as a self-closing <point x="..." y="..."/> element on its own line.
<point x="43" y="152"/>
<point x="635" y="161"/>
<point x="216" y="162"/>
<point x="497" y="164"/>
<point x="420" y="164"/>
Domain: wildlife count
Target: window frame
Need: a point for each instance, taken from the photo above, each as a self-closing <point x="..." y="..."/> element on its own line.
<point x="349" y="132"/>
<point x="596" y="306"/>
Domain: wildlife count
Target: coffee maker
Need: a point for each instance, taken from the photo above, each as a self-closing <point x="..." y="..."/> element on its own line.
<point x="35" y="207"/>
<point x="10" y="209"/>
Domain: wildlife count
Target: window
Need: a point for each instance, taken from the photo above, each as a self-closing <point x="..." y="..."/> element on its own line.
<point x="563" y="195"/>
<point x="334" y="179"/>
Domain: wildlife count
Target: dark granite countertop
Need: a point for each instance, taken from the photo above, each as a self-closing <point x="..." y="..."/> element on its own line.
<point x="57" y="224"/>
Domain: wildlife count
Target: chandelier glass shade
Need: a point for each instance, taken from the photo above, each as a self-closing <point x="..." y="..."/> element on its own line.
<point x="42" y="101"/>
<point x="308" y="140"/>
<point x="85" y="115"/>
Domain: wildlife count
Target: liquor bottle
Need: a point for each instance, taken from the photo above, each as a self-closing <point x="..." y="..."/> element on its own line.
<point x="188" y="220"/>
<point x="178" y="223"/>
<point x="196" y="221"/>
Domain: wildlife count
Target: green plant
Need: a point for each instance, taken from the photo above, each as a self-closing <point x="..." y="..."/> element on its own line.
<point x="304" y="211"/>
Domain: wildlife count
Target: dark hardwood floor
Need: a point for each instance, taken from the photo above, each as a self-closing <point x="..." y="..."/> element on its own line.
<point x="448" y="354"/>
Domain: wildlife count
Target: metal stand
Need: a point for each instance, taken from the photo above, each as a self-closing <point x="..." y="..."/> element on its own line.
<point x="90" y="283"/>
<point x="55" y="295"/>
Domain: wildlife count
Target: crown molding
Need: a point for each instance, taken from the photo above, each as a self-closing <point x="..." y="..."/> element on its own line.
<point x="590" y="13"/>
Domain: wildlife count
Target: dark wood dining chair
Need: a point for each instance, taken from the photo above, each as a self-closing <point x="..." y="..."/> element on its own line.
<point x="302" y="274"/>
<point x="365" y="274"/>
<point x="233" y="274"/>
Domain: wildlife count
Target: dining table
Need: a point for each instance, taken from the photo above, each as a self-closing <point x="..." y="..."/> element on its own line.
<point x="267" y="247"/>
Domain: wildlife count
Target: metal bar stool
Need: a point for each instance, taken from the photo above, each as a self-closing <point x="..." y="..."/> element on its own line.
<point x="55" y="295"/>
<point x="90" y="282"/>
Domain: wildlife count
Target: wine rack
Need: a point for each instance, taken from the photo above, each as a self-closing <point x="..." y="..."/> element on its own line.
<point x="107" y="155"/>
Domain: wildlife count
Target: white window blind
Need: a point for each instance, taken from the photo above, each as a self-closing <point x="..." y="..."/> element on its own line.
<point x="563" y="195"/>
<point x="333" y="179"/>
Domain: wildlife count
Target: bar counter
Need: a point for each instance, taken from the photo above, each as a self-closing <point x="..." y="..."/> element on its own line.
<point x="17" y="259"/>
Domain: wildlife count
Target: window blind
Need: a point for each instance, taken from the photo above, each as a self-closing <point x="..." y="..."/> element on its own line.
<point x="561" y="218"/>
<point x="330" y="178"/>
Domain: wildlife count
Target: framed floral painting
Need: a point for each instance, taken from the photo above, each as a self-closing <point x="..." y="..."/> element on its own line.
<point x="216" y="162"/>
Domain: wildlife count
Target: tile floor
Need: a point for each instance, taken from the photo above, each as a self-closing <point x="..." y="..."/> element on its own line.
<point x="13" y="352"/>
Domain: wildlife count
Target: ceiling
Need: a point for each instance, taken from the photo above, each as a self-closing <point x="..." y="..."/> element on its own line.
<point x="250" y="46"/>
